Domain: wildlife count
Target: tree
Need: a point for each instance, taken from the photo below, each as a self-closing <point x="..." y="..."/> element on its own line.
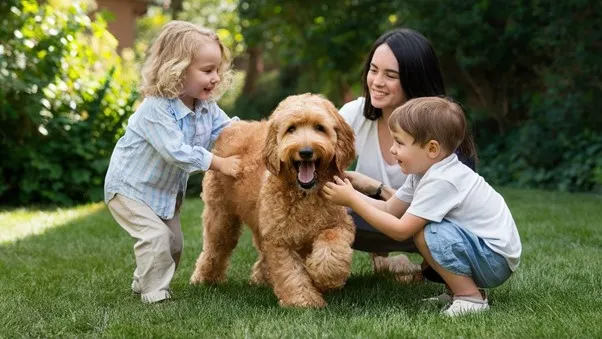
<point x="326" y="40"/>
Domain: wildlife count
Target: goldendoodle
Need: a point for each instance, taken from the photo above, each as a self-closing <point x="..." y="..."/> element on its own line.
<point x="303" y="241"/>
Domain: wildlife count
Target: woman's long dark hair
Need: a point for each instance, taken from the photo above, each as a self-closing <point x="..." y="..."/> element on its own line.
<point x="420" y="76"/>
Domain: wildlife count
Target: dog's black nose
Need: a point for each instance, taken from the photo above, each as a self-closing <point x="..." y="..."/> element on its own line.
<point x="306" y="153"/>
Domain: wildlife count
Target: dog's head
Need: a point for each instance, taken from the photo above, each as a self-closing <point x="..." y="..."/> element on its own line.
<point x="308" y="141"/>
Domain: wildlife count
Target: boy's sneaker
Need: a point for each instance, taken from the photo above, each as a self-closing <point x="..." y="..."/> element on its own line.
<point x="135" y="287"/>
<point x="466" y="305"/>
<point x="441" y="298"/>
<point x="448" y="297"/>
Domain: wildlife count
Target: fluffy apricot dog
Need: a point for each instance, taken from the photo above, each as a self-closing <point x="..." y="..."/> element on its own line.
<point x="303" y="241"/>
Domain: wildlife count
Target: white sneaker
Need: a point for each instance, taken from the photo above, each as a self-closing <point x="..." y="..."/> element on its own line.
<point x="135" y="287"/>
<point x="441" y="298"/>
<point x="466" y="305"/>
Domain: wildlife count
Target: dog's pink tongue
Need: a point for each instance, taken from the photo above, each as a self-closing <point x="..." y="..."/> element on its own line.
<point x="306" y="171"/>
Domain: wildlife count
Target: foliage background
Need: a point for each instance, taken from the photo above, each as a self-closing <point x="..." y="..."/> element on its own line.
<point x="528" y="73"/>
<point x="65" y="94"/>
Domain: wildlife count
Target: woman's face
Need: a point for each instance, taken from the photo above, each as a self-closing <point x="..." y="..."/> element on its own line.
<point x="383" y="80"/>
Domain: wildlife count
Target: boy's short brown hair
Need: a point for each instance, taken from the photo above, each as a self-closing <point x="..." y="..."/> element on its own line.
<point x="431" y="118"/>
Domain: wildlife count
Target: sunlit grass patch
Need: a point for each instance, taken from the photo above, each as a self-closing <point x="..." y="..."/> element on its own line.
<point x="22" y="222"/>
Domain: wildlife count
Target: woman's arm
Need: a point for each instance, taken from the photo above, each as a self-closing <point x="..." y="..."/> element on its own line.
<point x="387" y="192"/>
<point x="369" y="186"/>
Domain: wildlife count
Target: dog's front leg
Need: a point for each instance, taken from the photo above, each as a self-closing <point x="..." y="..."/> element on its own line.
<point x="292" y="285"/>
<point x="329" y="263"/>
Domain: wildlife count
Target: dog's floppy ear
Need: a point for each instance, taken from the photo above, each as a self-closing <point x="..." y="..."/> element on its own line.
<point x="270" y="154"/>
<point x="345" y="148"/>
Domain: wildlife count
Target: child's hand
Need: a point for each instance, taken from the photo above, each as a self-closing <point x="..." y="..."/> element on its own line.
<point x="228" y="166"/>
<point x="339" y="192"/>
<point x="231" y="166"/>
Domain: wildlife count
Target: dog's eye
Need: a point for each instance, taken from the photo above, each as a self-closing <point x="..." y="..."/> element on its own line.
<point x="319" y="128"/>
<point x="291" y="129"/>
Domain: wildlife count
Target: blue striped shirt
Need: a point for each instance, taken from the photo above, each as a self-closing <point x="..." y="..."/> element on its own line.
<point x="163" y="144"/>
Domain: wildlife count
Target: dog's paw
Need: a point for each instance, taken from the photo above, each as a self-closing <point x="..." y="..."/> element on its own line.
<point x="257" y="280"/>
<point x="329" y="267"/>
<point x="331" y="283"/>
<point x="197" y="279"/>
<point x="258" y="275"/>
<point x="328" y="279"/>
<point x="304" y="302"/>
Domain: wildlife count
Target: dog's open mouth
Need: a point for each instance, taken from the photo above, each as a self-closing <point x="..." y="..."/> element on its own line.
<point x="306" y="173"/>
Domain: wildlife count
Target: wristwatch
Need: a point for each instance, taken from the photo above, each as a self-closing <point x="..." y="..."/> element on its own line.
<point x="379" y="190"/>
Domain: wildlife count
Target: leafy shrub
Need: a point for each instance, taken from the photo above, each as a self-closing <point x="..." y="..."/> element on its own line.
<point x="64" y="96"/>
<point x="530" y="76"/>
<point x="535" y="157"/>
<point x="272" y="88"/>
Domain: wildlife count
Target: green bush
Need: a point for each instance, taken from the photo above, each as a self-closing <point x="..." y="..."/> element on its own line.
<point x="529" y="74"/>
<point x="64" y="96"/>
<point x="532" y="156"/>
<point x="272" y="88"/>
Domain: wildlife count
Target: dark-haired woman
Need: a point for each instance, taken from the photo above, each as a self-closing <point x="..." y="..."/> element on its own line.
<point x="401" y="65"/>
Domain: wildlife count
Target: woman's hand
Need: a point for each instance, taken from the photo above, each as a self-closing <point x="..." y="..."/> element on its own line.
<point x="362" y="183"/>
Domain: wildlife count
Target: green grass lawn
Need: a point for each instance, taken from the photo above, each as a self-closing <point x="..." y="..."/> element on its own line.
<point x="66" y="273"/>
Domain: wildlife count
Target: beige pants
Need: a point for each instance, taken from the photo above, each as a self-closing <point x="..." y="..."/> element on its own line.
<point x="158" y="246"/>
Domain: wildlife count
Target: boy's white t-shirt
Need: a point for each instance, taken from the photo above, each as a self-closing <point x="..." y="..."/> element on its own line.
<point x="451" y="190"/>
<point x="370" y="159"/>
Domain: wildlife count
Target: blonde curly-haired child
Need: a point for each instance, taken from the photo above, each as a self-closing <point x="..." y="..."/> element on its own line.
<point x="168" y="138"/>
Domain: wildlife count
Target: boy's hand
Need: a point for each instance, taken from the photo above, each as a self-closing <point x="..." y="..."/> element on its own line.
<point x="228" y="166"/>
<point x="340" y="192"/>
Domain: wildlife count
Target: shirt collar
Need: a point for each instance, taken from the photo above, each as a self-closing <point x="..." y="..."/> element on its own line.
<point x="448" y="159"/>
<point x="443" y="162"/>
<point x="182" y="110"/>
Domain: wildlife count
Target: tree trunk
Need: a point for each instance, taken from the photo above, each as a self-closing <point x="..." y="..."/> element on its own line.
<point x="254" y="69"/>
<point x="176" y="8"/>
<point x="346" y="92"/>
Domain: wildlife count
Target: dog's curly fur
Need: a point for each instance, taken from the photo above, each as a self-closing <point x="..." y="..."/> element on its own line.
<point x="304" y="241"/>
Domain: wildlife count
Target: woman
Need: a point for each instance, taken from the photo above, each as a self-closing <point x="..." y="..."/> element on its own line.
<point x="402" y="65"/>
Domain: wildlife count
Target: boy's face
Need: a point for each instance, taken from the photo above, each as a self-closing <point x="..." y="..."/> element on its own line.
<point x="201" y="75"/>
<point x="412" y="158"/>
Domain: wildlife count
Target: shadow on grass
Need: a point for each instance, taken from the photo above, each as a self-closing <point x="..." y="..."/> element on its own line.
<point x="360" y="292"/>
<point x="90" y="260"/>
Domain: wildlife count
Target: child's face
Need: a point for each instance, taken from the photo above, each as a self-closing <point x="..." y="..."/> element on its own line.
<point x="383" y="80"/>
<point x="412" y="158"/>
<point x="201" y="75"/>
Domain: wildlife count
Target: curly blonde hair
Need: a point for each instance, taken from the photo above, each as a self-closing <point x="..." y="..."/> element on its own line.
<point x="164" y="71"/>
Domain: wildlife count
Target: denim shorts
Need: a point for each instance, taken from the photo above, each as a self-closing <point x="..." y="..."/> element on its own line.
<point x="461" y="252"/>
